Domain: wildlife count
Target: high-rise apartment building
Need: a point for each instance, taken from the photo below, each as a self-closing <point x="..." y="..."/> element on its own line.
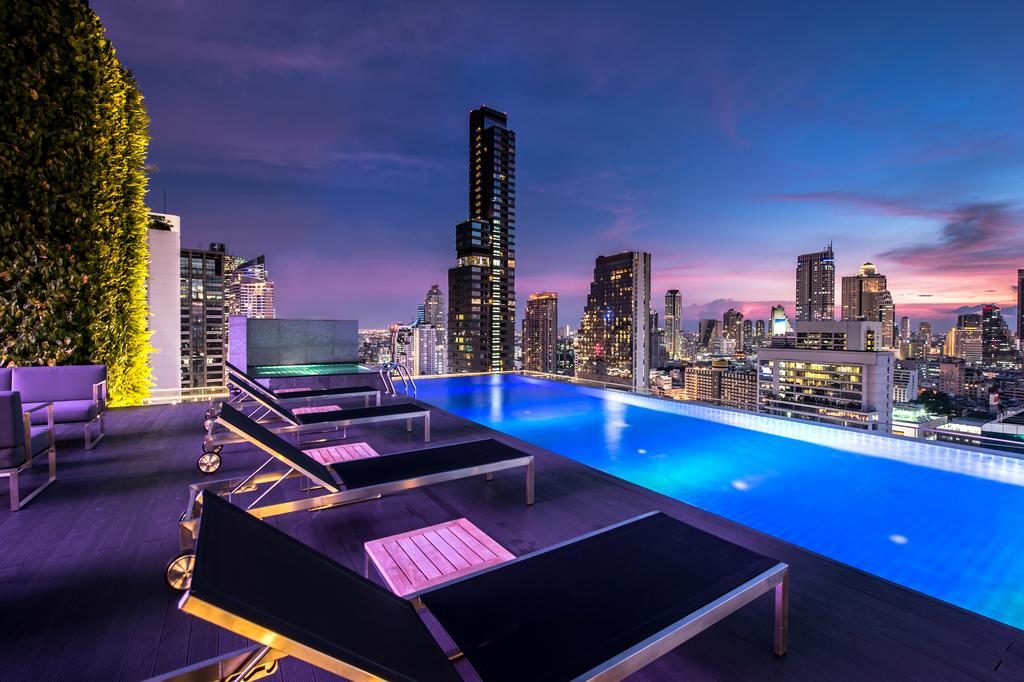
<point x="248" y="291"/>
<point x="481" y="287"/>
<point x="905" y="383"/>
<point x="996" y="344"/>
<point x="565" y="356"/>
<point x="673" y="324"/>
<point x="816" y="285"/>
<point x="163" y="294"/>
<point x="540" y="333"/>
<point x="203" y="322"/>
<point x="433" y="307"/>
<point x="905" y="328"/>
<point x="780" y="325"/>
<point x="732" y="327"/>
<point x="865" y="296"/>
<point x="429" y="335"/>
<point x="612" y="343"/>
<point x="829" y="372"/>
<point x="1020" y="306"/>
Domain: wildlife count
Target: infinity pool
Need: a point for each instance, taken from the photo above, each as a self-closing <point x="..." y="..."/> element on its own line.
<point x="315" y="370"/>
<point x="946" y="522"/>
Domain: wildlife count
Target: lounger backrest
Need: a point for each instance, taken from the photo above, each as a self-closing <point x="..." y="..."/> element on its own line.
<point x="258" y="582"/>
<point x="274" y="445"/>
<point x="264" y="397"/>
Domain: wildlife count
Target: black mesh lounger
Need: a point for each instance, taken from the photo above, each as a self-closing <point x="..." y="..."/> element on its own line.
<point x="321" y="421"/>
<point x="598" y="607"/>
<point x="341" y="483"/>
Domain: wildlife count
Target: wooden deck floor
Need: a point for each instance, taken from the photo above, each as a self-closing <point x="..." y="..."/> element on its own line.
<point x="82" y="594"/>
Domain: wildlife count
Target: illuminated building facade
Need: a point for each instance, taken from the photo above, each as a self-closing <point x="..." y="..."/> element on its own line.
<point x="612" y="344"/>
<point x="865" y="296"/>
<point x="673" y="324"/>
<point x="816" y="285"/>
<point x="540" y="333"/>
<point x="248" y="290"/>
<point x="481" y="287"/>
<point x="996" y="344"/>
<point x="780" y="325"/>
<point x="830" y="376"/>
<point x="202" y="317"/>
<point x="732" y="327"/>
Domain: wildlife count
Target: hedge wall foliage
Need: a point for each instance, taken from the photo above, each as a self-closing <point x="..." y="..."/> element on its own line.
<point x="73" y="222"/>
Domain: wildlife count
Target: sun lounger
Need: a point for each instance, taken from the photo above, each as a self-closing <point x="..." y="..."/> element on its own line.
<point x="341" y="483"/>
<point x="600" y="606"/>
<point x="249" y="387"/>
<point x="320" y="420"/>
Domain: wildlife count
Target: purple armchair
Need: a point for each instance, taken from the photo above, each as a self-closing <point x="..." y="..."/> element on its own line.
<point x="78" y="394"/>
<point x="20" y="442"/>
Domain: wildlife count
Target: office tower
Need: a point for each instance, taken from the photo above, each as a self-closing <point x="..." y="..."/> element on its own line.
<point x="924" y="330"/>
<point x="540" y="332"/>
<point x="673" y="323"/>
<point x="996" y="345"/>
<point x="748" y="335"/>
<point x="952" y="375"/>
<point x="865" y="296"/>
<point x="722" y="347"/>
<point x="965" y="340"/>
<point x="481" y="287"/>
<point x="829" y="373"/>
<point x="248" y="291"/>
<point x="816" y="285"/>
<point x="612" y="342"/>
<point x="1020" y="306"/>
<point x="164" y="297"/>
<point x="707" y="330"/>
<point x="905" y="383"/>
<point x="429" y="339"/>
<point x="780" y="325"/>
<point x="759" y="330"/>
<point x="433" y="307"/>
<point x="202" y="317"/>
<point x="565" y="356"/>
<point x="732" y="327"/>
<point x="656" y="352"/>
<point x="905" y="328"/>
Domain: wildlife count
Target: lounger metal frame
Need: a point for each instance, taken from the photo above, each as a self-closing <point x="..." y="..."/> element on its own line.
<point x="213" y="439"/>
<point x="244" y="383"/>
<point x="13" y="473"/>
<point x="273" y="646"/>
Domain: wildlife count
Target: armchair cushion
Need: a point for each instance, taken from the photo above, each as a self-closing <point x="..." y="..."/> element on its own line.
<point x="54" y="384"/>
<point x="12" y="428"/>
<point x="11" y="458"/>
<point x="66" y="412"/>
<point x="5" y="378"/>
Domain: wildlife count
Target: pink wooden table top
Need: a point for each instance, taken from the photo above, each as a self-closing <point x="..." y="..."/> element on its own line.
<point x="316" y="408"/>
<point x="410" y="562"/>
<point x="333" y="454"/>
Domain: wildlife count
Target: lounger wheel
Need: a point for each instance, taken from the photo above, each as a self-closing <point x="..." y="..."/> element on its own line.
<point x="212" y="413"/>
<point x="179" y="571"/>
<point x="208" y="462"/>
<point x="207" y="424"/>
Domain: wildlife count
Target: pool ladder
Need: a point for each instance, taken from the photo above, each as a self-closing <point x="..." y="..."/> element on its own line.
<point x="403" y="373"/>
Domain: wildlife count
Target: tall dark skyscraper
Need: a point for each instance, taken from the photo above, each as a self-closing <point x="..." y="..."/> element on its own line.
<point x="673" y="324"/>
<point x="996" y="347"/>
<point x="481" y="287"/>
<point x="540" y="332"/>
<point x="613" y="341"/>
<point x="202" y="317"/>
<point x="816" y="285"/>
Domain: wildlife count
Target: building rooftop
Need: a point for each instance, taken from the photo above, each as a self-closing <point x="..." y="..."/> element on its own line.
<point x="82" y="571"/>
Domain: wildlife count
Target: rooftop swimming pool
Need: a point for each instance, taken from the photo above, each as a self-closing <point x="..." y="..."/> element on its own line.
<point x="944" y="521"/>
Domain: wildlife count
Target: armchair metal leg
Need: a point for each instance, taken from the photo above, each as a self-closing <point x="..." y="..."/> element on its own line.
<point x="89" y="442"/>
<point x="529" y="482"/>
<point x="13" y="478"/>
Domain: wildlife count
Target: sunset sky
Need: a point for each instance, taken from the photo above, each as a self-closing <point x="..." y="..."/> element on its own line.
<point x="725" y="138"/>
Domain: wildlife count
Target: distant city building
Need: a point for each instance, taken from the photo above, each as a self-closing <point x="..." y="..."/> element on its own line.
<point x="164" y="297"/>
<point x="434" y="311"/>
<point x="829" y="372"/>
<point x="707" y="330"/>
<point x="657" y="354"/>
<point x="248" y="291"/>
<point x="780" y="325"/>
<point x="748" y="336"/>
<point x="759" y="332"/>
<point x="481" y="287"/>
<point x="732" y="327"/>
<point x="203" y="322"/>
<point x="924" y="331"/>
<point x="673" y="323"/>
<point x="816" y="285"/>
<point x="905" y="328"/>
<point x="429" y="354"/>
<point x="719" y="384"/>
<point x="565" y="356"/>
<point x="905" y="383"/>
<point x="1020" y="306"/>
<point x="865" y="296"/>
<point x="540" y="333"/>
<point x="612" y="344"/>
<point x="722" y="346"/>
<point x="996" y="344"/>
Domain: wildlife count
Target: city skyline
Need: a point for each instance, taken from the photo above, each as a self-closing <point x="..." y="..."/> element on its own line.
<point x="299" y="139"/>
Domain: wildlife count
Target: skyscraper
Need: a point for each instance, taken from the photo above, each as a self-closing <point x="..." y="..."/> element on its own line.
<point x="780" y="325"/>
<point x="865" y="297"/>
<point x="202" y="317"/>
<point x="481" y="287"/>
<point x="433" y="307"/>
<point x="540" y="332"/>
<point x="430" y="334"/>
<point x="905" y="328"/>
<point x="1020" y="306"/>
<point x="732" y="327"/>
<point x="673" y="323"/>
<point x="612" y="343"/>
<point x="164" y="296"/>
<point x="816" y="285"/>
<point x="995" y="337"/>
<point x="248" y="291"/>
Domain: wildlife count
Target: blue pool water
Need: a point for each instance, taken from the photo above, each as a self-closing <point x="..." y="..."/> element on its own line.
<point x="953" y="529"/>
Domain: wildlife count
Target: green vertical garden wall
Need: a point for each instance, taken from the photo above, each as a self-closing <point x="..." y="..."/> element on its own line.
<point x="73" y="219"/>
